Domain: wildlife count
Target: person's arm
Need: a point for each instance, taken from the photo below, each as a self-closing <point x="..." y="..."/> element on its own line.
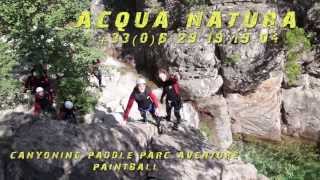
<point x="175" y="85"/>
<point x="61" y="114"/>
<point x="36" y="107"/>
<point x="49" y="97"/>
<point x="154" y="99"/>
<point x="73" y="114"/>
<point x="162" y="95"/>
<point x="128" y="108"/>
<point x="27" y="84"/>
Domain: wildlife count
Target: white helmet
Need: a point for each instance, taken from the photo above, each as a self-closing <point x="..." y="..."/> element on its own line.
<point x="39" y="89"/>
<point x="68" y="104"/>
<point x="141" y="81"/>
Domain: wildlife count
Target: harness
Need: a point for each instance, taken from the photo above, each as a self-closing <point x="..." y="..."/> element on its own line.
<point x="143" y="99"/>
<point x="171" y="92"/>
<point x="146" y="110"/>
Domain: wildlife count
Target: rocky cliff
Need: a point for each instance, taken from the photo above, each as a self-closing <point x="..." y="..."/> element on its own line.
<point x="257" y="80"/>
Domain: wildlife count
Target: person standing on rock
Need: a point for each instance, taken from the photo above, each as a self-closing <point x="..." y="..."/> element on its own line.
<point x="146" y="100"/>
<point x="171" y="91"/>
<point x="31" y="82"/>
<point x="43" y="102"/>
<point x="67" y="112"/>
<point x="37" y="79"/>
<point x="96" y="71"/>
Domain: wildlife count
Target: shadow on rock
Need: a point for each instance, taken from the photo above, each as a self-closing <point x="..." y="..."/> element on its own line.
<point x="12" y="121"/>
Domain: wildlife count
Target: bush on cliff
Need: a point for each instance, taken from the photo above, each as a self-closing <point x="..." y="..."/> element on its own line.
<point x="296" y="43"/>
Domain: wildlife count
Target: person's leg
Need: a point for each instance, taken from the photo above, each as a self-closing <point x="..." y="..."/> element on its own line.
<point x="158" y="122"/>
<point x="98" y="75"/>
<point x="100" y="79"/>
<point x="168" y="110"/>
<point x="177" y="107"/>
<point x="157" y="119"/>
<point x="50" y="111"/>
<point x="70" y="117"/>
<point x="143" y="115"/>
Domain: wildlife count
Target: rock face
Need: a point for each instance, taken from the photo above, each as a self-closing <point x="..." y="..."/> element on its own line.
<point x="313" y="16"/>
<point x="116" y="92"/>
<point x="258" y="113"/>
<point x="96" y="6"/>
<point x="196" y="64"/>
<point x="55" y="136"/>
<point x="246" y="65"/>
<point x="205" y="67"/>
<point x="1" y="170"/>
<point x="174" y="169"/>
<point x="214" y="110"/>
<point x="10" y="120"/>
<point x="301" y="112"/>
<point x="313" y="68"/>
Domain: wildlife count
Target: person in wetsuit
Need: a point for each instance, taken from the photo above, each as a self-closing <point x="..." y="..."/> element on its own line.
<point x="171" y="90"/>
<point x="43" y="102"/>
<point x="67" y="112"/>
<point x="147" y="103"/>
<point x="96" y="71"/>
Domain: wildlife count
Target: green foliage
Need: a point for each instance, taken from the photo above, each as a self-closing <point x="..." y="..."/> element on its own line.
<point x="205" y="130"/>
<point x="282" y="162"/>
<point x="233" y="59"/>
<point x="295" y="38"/>
<point x="42" y="32"/>
<point x="296" y="42"/>
<point x="292" y="68"/>
<point x="194" y="2"/>
<point x="75" y="90"/>
<point x="9" y="85"/>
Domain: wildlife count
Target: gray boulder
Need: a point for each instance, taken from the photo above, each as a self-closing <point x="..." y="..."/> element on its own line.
<point x="300" y="108"/>
<point x="1" y="170"/>
<point x="214" y="111"/>
<point x="258" y="114"/>
<point x="12" y="119"/>
<point x="196" y="64"/>
<point x="55" y="136"/>
<point x="205" y="67"/>
<point x="202" y="169"/>
<point x="246" y="65"/>
<point x="313" y="68"/>
<point x="313" y="16"/>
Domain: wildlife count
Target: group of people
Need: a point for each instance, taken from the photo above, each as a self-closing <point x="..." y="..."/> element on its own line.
<point x="148" y="102"/>
<point x="40" y="86"/>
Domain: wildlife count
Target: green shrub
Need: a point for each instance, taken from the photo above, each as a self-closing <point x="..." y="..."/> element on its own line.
<point x="293" y="71"/>
<point x="206" y="131"/>
<point x="282" y="162"/>
<point x="296" y="43"/>
<point x="9" y="86"/>
<point x="233" y="59"/>
<point x="75" y="90"/>
<point x="297" y="37"/>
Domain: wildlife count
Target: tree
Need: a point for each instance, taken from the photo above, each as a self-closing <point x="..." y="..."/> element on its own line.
<point x="43" y="32"/>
